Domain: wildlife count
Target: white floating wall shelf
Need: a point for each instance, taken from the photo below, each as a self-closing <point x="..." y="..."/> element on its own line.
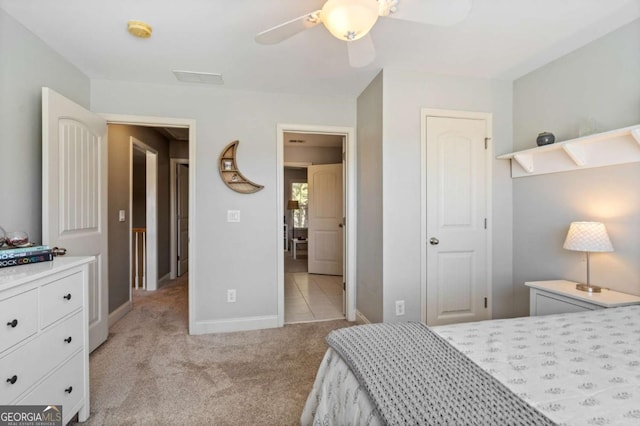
<point x="598" y="150"/>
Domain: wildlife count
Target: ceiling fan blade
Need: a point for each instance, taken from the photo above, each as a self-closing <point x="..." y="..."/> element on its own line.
<point x="434" y="12"/>
<point x="361" y="52"/>
<point x="288" y="29"/>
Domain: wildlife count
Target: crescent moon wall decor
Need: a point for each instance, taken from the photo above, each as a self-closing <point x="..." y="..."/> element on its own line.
<point x="230" y="174"/>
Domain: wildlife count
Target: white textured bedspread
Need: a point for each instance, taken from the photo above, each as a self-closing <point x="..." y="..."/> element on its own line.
<point x="577" y="369"/>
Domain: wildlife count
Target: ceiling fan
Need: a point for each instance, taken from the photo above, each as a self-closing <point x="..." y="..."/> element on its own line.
<point x="351" y="21"/>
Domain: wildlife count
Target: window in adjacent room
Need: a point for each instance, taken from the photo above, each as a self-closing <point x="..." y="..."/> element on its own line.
<point x="300" y="193"/>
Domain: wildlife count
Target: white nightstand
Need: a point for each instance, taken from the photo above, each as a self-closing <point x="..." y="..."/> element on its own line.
<point x="560" y="296"/>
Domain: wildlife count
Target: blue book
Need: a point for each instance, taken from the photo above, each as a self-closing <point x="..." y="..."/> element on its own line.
<point x="10" y="253"/>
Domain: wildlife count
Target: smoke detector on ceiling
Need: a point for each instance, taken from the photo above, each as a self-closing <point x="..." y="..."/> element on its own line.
<point x="139" y="29"/>
<point x="198" y="77"/>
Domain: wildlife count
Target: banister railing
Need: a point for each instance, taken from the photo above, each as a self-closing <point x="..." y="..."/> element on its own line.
<point x="139" y="255"/>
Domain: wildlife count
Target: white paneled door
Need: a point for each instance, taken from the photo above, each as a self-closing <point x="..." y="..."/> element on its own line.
<point x="456" y="220"/>
<point x="326" y="249"/>
<point x="74" y="195"/>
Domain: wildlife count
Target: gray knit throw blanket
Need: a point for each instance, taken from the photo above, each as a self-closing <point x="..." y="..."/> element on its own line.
<point x="415" y="377"/>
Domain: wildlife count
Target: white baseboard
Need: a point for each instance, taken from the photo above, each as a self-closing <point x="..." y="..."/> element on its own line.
<point x="361" y="318"/>
<point x="120" y="312"/>
<point x="234" y="324"/>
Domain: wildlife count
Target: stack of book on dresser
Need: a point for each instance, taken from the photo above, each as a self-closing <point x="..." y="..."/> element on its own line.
<point x="15" y="256"/>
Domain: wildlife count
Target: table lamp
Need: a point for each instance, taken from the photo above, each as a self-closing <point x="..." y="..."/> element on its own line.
<point x="588" y="237"/>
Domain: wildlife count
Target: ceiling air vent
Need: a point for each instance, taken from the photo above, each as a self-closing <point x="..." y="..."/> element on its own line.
<point x="199" y="77"/>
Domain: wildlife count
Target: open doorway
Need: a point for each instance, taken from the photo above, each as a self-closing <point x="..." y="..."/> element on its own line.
<point x="151" y="143"/>
<point x="316" y="196"/>
<point x="313" y="267"/>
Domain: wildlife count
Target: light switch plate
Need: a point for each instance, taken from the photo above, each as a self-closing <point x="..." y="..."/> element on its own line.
<point x="121" y="215"/>
<point x="233" y="215"/>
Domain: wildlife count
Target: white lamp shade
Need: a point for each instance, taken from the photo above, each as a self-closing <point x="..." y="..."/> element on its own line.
<point x="588" y="236"/>
<point x="349" y="19"/>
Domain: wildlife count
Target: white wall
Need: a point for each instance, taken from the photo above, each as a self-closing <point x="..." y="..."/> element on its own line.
<point x="27" y="64"/>
<point x="243" y="255"/>
<point x="369" y="294"/>
<point x="405" y="93"/>
<point x="599" y="82"/>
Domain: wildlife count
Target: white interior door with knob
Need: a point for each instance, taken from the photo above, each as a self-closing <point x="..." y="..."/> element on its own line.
<point x="74" y="195"/>
<point x="326" y="250"/>
<point x="456" y="215"/>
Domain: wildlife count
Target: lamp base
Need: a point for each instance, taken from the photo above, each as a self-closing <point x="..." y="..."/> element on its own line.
<point x="588" y="288"/>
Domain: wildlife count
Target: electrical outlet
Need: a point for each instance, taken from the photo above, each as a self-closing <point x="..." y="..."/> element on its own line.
<point x="399" y="308"/>
<point x="231" y="296"/>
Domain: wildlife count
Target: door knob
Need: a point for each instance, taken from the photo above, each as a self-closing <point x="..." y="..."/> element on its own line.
<point x="434" y="241"/>
<point x="59" y="251"/>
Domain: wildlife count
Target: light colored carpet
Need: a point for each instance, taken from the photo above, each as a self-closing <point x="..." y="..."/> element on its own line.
<point x="151" y="372"/>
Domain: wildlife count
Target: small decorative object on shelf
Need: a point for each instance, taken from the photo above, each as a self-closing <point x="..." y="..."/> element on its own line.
<point x="230" y="174"/>
<point x="545" y="138"/>
<point x="17" y="239"/>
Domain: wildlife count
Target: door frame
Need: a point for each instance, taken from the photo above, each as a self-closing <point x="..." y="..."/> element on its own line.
<point x="350" y="209"/>
<point x="150" y="121"/>
<point x="151" y="250"/>
<point x="173" y="206"/>
<point x="445" y="113"/>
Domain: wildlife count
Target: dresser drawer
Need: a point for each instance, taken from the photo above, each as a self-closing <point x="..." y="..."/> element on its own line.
<point x="60" y="298"/>
<point x="27" y="364"/>
<point x="64" y="387"/>
<point x="19" y="318"/>
<point x="549" y="304"/>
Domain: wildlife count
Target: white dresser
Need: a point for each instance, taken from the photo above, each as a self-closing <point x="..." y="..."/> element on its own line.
<point x="44" y="352"/>
<point x="561" y="296"/>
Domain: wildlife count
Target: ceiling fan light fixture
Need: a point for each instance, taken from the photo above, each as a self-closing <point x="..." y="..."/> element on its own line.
<point x="349" y="20"/>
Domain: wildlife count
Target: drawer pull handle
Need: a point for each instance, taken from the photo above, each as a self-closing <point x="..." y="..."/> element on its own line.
<point x="68" y="339"/>
<point x="67" y="296"/>
<point x="69" y="389"/>
<point x="12" y="380"/>
<point x="13" y="324"/>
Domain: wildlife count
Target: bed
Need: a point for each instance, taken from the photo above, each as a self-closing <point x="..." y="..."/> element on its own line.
<point x="573" y="369"/>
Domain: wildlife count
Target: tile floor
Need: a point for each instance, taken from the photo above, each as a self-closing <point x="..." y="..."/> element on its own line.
<point x="310" y="297"/>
